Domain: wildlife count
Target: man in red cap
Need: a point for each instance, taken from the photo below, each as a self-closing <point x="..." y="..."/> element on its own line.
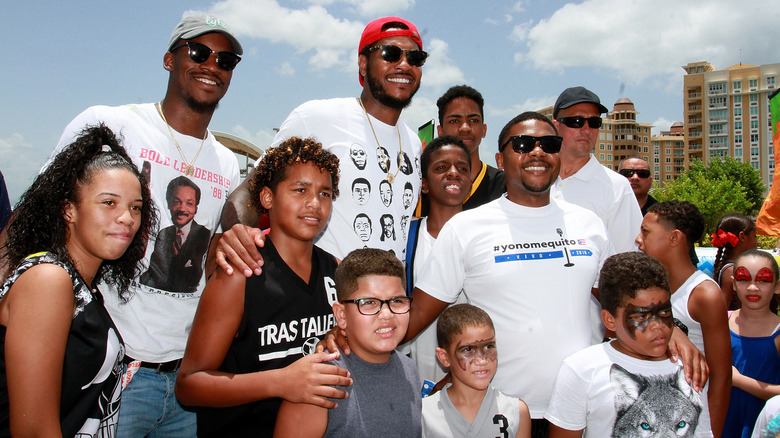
<point x="390" y="60"/>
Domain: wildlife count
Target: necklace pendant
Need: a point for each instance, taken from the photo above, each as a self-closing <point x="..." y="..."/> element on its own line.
<point x="189" y="170"/>
<point x="390" y="177"/>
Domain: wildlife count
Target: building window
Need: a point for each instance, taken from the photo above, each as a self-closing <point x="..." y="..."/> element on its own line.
<point x="609" y="146"/>
<point x="753" y="138"/>
<point x="753" y="124"/>
<point x="753" y="98"/>
<point x="601" y="135"/>
<point x="737" y="126"/>
<point x="738" y="153"/>
<point x="738" y="138"/>
<point x="601" y="157"/>
<point x="668" y="151"/>
<point x="753" y="111"/>
<point x="737" y="86"/>
<point x="753" y="84"/>
<point x="770" y="82"/>
<point x="755" y="165"/>
<point x="738" y="100"/>
<point x="609" y="157"/>
<point x="717" y="88"/>
<point x="737" y="112"/>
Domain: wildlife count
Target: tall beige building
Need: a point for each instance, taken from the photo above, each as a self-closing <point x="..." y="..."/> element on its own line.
<point x="726" y="113"/>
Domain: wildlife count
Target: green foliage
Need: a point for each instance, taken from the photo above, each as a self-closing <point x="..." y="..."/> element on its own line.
<point x="734" y="170"/>
<point x="767" y="242"/>
<point x="715" y="192"/>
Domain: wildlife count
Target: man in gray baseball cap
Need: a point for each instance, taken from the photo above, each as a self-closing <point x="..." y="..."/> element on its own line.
<point x="170" y="140"/>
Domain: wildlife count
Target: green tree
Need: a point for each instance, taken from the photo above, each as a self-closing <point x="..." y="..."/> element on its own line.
<point x="734" y="170"/>
<point x="715" y="191"/>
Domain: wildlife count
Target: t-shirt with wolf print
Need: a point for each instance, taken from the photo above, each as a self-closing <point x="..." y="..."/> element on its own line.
<point x="610" y="394"/>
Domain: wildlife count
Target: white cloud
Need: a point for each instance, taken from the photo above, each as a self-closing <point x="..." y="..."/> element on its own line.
<point x="530" y="104"/>
<point x="333" y="40"/>
<point x="506" y="18"/>
<point x="661" y="124"/>
<point x="440" y="71"/>
<point x="261" y="139"/>
<point x="379" y="8"/>
<point x="520" y="31"/>
<point x="640" y="39"/>
<point x="286" y="69"/>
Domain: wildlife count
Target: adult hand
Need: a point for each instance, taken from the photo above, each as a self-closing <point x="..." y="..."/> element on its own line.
<point x="694" y="362"/>
<point x="238" y="245"/>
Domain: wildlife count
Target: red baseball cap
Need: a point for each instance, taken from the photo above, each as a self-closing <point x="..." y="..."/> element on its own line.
<point x="373" y="33"/>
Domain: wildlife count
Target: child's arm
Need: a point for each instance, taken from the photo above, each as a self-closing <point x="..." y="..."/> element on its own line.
<point x="559" y="432"/>
<point x="754" y="387"/>
<point x="215" y="325"/>
<point x="694" y="362"/>
<point x="707" y="306"/>
<point x="300" y="420"/>
<point x="524" y="427"/>
<point x="38" y="321"/>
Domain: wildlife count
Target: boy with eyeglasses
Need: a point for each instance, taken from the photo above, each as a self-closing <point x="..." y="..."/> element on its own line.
<point x="373" y="311"/>
<point x="638" y="173"/>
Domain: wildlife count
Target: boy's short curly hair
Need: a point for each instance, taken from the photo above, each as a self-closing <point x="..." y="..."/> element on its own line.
<point x="454" y="319"/>
<point x="680" y="215"/>
<point x="273" y="166"/>
<point x="625" y="274"/>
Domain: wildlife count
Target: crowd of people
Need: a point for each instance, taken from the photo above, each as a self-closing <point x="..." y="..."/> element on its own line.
<point x="423" y="293"/>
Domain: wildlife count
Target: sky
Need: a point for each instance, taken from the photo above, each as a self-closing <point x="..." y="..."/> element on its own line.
<point x="61" y="57"/>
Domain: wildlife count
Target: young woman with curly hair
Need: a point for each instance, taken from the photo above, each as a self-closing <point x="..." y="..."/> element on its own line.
<point x="86" y="218"/>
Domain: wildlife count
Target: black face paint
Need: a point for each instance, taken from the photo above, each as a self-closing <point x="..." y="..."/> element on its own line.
<point x="466" y="354"/>
<point x="639" y="318"/>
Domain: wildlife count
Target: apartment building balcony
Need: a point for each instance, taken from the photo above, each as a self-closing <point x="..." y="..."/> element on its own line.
<point x="694" y="95"/>
<point x="695" y="133"/>
<point x="694" y="121"/>
<point x="694" y="108"/>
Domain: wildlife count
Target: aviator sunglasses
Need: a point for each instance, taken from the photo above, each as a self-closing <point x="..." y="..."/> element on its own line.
<point x="392" y="54"/>
<point x="628" y="173"/>
<point x="523" y="144"/>
<point x="578" y="122"/>
<point x="200" y="53"/>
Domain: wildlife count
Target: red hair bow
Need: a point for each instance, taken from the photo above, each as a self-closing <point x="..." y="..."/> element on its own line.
<point x="721" y="238"/>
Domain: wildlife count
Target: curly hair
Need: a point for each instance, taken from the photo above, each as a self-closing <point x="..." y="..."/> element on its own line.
<point x="39" y="223"/>
<point x="735" y="224"/>
<point x="454" y="319"/>
<point x="625" y="274"/>
<point x="680" y="215"/>
<point x="272" y="168"/>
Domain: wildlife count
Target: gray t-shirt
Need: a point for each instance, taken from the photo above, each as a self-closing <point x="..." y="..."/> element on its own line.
<point x="384" y="399"/>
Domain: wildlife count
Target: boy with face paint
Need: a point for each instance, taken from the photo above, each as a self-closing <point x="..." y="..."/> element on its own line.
<point x="471" y="407"/>
<point x="628" y="387"/>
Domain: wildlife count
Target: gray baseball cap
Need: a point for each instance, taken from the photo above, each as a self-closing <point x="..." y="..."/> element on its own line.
<point x="193" y="26"/>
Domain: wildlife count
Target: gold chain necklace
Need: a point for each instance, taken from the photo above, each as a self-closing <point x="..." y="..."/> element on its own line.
<point x="189" y="169"/>
<point x="390" y="177"/>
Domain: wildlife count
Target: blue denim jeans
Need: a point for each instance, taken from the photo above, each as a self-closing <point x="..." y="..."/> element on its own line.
<point x="149" y="408"/>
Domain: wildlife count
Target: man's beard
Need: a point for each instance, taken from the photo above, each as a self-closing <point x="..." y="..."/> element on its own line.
<point x="201" y="107"/>
<point x="378" y="91"/>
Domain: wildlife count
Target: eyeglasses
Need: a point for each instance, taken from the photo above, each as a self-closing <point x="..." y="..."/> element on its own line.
<point x="628" y="173"/>
<point x="393" y="54"/>
<point x="578" y="122"/>
<point x="200" y="53"/>
<point x="372" y="306"/>
<point x="523" y="144"/>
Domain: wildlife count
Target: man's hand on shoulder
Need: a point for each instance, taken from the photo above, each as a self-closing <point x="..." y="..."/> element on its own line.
<point x="238" y="248"/>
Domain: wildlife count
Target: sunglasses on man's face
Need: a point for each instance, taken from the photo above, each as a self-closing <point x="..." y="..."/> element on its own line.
<point x="628" y="173"/>
<point x="578" y="122"/>
<point x="523" y="144"/>
<point x="393" y="54"/>
<point x="200" y="53"/>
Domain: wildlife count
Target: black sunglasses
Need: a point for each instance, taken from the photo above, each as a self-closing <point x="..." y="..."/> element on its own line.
<point x="200" y="53"/>
<point x="392" y="53"/>
<point x="628" y="173"/>
<point x="578" y="122"/>
<point x="523" y="144"/>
